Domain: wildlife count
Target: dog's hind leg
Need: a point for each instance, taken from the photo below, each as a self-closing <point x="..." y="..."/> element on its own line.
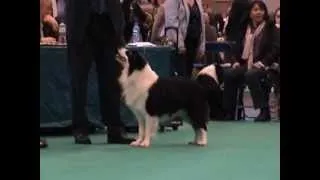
<point x="199" y="117"/>
<point x="202" y="137"/>
<point x="149" y="125"/>
<point x="141" y="130"/>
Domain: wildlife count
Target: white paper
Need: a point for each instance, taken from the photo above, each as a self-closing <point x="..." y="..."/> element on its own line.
<point x="142" y="44"/>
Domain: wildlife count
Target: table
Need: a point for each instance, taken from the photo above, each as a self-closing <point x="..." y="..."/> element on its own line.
<point x="55" y="97"/>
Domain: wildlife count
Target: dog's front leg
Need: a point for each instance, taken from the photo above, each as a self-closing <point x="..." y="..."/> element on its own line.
<point x="202" y="138"/>
<point x="141" y="130"/>
<point x="149" y="123"/>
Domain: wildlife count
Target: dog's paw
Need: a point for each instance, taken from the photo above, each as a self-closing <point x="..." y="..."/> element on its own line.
<point x="201" y="144"/>
<point x="197" y="143"/>
<point x="135" y="143"/>
<point x="192" y="143"/>
<point x="144" y="144"/>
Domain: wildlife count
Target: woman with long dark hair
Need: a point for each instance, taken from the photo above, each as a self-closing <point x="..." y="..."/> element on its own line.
<point x="277" y="18"/>
<point x="259" y="46"/>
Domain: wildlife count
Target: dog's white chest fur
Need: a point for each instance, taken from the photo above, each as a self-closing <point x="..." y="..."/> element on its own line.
<point x="135" y="87"/>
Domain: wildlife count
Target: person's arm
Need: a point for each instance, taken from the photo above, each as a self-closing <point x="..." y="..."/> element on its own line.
<point x="158" y="24"/>
<point x="274" y="52"/>
<point x="202" y="46"/>
<point x="117" y="19"/>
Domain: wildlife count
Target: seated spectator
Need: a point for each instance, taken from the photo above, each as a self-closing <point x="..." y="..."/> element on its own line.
<point x="234" y="29"/>
<point x="260" y="47"/>
<point x="236" y="20"/>
<point x="275" y="67"/>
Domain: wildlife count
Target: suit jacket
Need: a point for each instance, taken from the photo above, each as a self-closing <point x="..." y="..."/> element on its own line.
<point x="78" y="15"/>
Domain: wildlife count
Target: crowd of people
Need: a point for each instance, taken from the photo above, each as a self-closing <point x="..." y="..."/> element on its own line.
<point x="254" y="60"/>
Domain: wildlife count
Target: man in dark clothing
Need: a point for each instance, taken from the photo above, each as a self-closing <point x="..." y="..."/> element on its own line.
<point x="95" y="33"/>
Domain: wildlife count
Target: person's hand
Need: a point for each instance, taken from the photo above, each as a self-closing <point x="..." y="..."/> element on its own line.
<point x="220" y="39"/>
<point x="52" y="21"/>
<point x="122" y="57"/>
<point x="259" y="65"/>
<point x="122" y="52"/>
<point x="235" y="65"/>
<point x="48" y="40"/>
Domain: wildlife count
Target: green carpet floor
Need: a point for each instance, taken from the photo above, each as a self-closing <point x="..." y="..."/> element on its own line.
<point x="236" y="151"/>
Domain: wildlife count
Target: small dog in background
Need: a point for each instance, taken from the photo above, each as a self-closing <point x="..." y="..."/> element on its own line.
<point x="153" y="99"/>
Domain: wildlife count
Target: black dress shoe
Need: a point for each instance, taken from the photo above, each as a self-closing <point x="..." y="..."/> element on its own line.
<point x="264" y="115"/>
<point x="82" y="139"/>
<point x="229" y="117"/>
<point x="119" y="140"/>
<point x="43" y="143"/>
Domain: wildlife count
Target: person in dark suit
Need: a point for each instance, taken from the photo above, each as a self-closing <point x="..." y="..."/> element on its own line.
<point x="95" y="33"/>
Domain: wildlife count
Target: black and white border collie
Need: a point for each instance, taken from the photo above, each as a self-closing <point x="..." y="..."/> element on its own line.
<point x="154" y="99"/>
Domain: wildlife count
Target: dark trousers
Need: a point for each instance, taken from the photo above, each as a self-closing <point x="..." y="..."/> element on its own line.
<point x="233" y="80"/>
<point x="95" y="48"/>
<point x="257" y="82"/>
<point x="184" y="63"/>
<point x="259" y="86"/>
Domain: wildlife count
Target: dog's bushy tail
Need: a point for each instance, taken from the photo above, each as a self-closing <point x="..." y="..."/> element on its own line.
<point x="212" y="90"/>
